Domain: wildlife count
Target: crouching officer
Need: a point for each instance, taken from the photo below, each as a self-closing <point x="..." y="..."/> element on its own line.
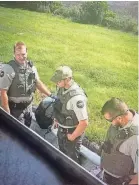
<point x="18" y="82"/>
<point x="70" y="112"/>
<point x="120" y="150"/>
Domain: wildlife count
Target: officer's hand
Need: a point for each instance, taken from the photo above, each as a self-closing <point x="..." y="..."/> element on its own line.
<point x="70" y="137"/>
<point x="53" y="96"/>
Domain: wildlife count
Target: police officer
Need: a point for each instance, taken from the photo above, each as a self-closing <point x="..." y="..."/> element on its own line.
<point x="70" y="112"/>
<point x="18" y="82"/>
<point x="119" y="158"/>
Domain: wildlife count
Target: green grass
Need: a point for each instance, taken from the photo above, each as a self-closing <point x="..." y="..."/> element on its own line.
<point x="104" y="61"/>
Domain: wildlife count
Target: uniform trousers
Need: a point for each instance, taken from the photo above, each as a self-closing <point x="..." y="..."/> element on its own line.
<point x="22" y="113"/>
<point x="70" y="148"/>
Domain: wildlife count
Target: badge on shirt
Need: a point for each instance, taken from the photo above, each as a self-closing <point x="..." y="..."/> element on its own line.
<point x="1" y="74"/>
<point x="80" y="104"/>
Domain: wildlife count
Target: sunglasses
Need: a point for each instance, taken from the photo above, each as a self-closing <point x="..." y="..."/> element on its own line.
<point x="112" y="119"/>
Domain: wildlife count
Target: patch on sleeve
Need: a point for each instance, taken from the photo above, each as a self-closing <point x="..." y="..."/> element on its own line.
<point x="1" y="74"/>
<point x="80" y="104"/>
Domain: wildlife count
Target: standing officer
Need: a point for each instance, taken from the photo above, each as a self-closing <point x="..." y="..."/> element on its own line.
<point x="120" y="150"/>
<point x="70" y="112"/>
<point x="18" y="82"/>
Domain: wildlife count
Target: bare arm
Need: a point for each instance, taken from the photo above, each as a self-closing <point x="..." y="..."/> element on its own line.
<point x="79" y="130"/>
<point x="4" y="100"/>
<point x="42" y="88"/>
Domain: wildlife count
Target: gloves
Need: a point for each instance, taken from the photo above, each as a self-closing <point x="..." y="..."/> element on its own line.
<point x="53" y="96"/>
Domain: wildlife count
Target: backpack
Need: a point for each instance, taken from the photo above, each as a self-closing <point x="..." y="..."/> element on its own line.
<point x="44" y="113"/>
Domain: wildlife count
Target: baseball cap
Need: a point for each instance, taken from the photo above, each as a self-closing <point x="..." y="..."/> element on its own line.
<point x="61" y="73"/>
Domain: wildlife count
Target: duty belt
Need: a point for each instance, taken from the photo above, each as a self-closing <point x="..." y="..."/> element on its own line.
<point x="66" y="127"/>
<point x="19" y="105"/>
<point x="66" y="130"/>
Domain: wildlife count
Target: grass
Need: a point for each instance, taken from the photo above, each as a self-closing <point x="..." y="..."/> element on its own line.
<point x="104" y="61"/>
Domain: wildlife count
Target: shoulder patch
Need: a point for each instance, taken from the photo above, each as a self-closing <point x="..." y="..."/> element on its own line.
<point x="80" y="104"/>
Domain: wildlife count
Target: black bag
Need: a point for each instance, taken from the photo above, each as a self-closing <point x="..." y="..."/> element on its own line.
<point x="44" y="113"/>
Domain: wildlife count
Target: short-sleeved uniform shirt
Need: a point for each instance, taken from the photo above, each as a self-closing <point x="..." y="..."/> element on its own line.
<point x="78" y="104"/>
<point x="8" y="75"/>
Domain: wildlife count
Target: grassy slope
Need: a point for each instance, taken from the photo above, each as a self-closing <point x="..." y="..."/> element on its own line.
<point x="104" y="61"/>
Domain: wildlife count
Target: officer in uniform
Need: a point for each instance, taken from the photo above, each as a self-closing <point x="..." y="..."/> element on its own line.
<point x="18" y="82"/>
<point x="70" y="112"/>
<point x="119" y="158"/>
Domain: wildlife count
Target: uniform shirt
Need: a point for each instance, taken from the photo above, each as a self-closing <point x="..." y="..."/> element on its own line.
<point x="78" y="104"/>
<point x="9" y="74"/>
<point x="130" y="146"/>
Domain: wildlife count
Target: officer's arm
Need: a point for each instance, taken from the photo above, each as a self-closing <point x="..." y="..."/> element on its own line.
<point x="80" y="109"/>
<point x="4" y="100"/>
<point x="134" y="179"/>
<point x="80" y="129"/>
<point x="42" y="88"/>
<point x="5" y="83"/>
